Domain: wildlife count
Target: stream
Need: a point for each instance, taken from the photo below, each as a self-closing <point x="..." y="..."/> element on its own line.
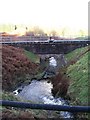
<point x="40" y="92"/>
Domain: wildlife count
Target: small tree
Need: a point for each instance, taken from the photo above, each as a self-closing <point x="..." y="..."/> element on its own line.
<point x="63" y="32"/>
<point x="15" y="27"/>
<point x="81" y="33"/>
<point x="53" y="33"/>
<point x="38" y="31"/>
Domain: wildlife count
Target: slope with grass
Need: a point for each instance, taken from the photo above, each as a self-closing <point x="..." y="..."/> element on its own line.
<point x="33" y="57"/>
<point x="78" y="73"/>
<point x="16" y="67"/>
<point x="19" y="66"/>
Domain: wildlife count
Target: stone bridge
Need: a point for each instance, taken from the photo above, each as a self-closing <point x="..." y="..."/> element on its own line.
<point x="50" y="47"/>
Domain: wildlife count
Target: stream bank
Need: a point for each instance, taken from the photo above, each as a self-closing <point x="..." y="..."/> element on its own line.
<point x="47" y="91"/>
<point x="72" y="72"/>
<point x="40" y="92"/>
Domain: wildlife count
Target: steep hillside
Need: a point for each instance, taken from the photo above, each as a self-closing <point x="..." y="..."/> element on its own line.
<point x="78" y="73"/>
<point x="19" y="66"/>
<point x="16" y="67"/>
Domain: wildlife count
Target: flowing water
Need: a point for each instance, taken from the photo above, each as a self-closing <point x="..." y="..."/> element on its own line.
<point x="40" y="92"/>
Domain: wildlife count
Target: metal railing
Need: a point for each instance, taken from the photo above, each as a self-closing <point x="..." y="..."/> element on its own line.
<point x="43" y="41"/>
<point x="45" y="106"/>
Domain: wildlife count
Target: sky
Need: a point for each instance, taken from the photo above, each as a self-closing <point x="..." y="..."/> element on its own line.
<point x="47" y="14"/>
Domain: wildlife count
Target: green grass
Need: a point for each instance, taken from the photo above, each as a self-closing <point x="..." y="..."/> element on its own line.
<point x="11" y="112"/>
<point x="9" y="96"/>
<point x="76" y="53"/>
<point x="78" y="73"/>
<point x="33" y="57"/>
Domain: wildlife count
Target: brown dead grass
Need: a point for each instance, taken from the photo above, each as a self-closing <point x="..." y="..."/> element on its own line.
<point x="15" y="65"/>
<point x="60" y="85"/>
<point x="8" y="114"/>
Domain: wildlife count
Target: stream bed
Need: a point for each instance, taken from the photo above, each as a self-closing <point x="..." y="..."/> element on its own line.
<point x="40" y="92"/>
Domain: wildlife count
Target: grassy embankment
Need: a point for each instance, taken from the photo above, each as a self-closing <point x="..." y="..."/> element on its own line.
<point x="17" y="59"/>
<point x="33" y="57"/>
<point x="78" y="89"/>
<point x="20" y="114"/>
<point x="78" y="72"/>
